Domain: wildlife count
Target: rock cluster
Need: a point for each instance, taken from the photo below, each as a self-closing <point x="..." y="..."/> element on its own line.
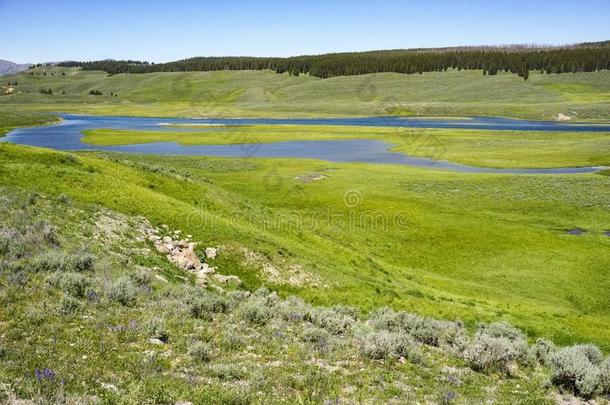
<point x="182" y="253"/>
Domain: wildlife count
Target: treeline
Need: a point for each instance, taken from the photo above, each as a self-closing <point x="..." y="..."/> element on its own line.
<point x="490" y="60"/>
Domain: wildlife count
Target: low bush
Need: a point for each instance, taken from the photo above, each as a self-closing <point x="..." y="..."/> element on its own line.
<point x="293" y="309"/>
<point x="334" y="320"/>
<point x="227" y="372"/>
<point x="425" y="330"/>
<point x="318" y="336"/>
<point x="68" y="305"/>
<point x="206" y="305"/>
<point x="82" y="261"/>
<point x="383" y="344"/>
<point x="542" y="351"/>
<point x="201" y="352"/>
<point x="255" y="311"/>
<point x="122" y="291"/>
<point x="488" y="353"/>
<point x="580" y="369"/>
<point x="74" y="284"/>
<point x="604" y="376"/>
<point x="59" y="261"/>
<point x="41" y="233"/>
<point x="18" y="277"/>
<point x="51" y="261"/>
<point x="141" y="277"/>
<point x="232" y="339"/>
<point x="157" y="330"/>
<point x="7" y="240"/>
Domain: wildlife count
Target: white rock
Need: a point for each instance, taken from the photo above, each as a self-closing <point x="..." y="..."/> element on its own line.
<point x="155" y="341"/>
<point x="227" y="279"/>
<point x="206" y="269"/>
<point x="211" y="253"/>
<point x="109" y="387"/>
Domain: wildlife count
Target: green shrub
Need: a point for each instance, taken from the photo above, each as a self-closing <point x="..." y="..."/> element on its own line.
<point x="157" y="330"/>
<point x="255" y="311"/>
<point x="542" y="351"/>
<point x="425" y="330"/>
<point x="205" y="306"/>
<point x="293" y="309"/>
<point x="577" y="368"/>
<point x="488" y="353"/>
<point x="318" y="336"/>
<point x="51" y="261"/>
<point x="232" y="340"/>
<point x="141" y="277"/>
<point x="604" y="376"/>
<point x="122" y="291"/>
<point x="227" y="372"/>
<point x="505" y="331"/>
<point x="334" y="320"/>
<point x="201" y="352"/>
<point x="74" y="284"/>
<point x="383" y="344"/>
<point x="55" y="260"/>
<point x="40" y="233"/>
<point x="82" y="261"/>
<point x="68" y="305"/>
<point x="18" y="277"/>
<point x="6" y="243"/>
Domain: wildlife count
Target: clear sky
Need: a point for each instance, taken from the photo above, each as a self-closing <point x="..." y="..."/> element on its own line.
<point x="160" y="30"/>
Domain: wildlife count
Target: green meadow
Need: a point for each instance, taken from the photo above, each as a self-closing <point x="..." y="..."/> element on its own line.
<point x="475" y="247"/>
<point x="501" y="149"/>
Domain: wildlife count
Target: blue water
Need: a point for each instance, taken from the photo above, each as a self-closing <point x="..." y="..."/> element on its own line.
<point x="67" y="136"/>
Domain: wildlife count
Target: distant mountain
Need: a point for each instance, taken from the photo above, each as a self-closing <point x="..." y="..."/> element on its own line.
<point x="8" y="67"/>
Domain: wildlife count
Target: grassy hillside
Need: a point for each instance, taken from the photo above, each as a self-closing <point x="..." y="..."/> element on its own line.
<point x="93" y="314"/>
<point x="504" y="149"/>
<point x="261" y="93"/>
<point x="476" y="247"/>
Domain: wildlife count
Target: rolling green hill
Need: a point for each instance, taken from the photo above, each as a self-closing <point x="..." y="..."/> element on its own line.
<point x="583" y="96"/>
<point x="92" y="313"/>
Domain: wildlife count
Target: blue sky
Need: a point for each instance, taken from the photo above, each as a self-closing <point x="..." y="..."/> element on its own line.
<point x="159" y="30"/>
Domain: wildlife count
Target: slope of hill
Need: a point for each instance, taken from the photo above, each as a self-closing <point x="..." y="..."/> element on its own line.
<point x="129" y="326"/>
<point x="8" y="68"/>
<point x="265" y="93"/>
